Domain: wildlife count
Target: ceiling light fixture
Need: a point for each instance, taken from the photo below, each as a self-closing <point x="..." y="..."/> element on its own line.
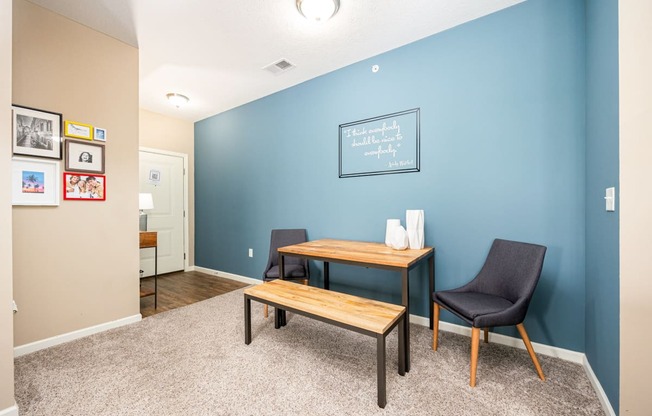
<point x="177" y="100"/>
<point x="318" y="10"/>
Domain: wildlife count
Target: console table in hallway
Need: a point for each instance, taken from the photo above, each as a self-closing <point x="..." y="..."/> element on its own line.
<point x="149" y="239"/>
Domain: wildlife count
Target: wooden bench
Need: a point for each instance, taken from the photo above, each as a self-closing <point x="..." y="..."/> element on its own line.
<point x="365" y="316"/>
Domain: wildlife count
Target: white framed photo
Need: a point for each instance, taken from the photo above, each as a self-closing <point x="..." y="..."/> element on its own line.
<point x="99" y="134"/>
<point x="34" y="182"/>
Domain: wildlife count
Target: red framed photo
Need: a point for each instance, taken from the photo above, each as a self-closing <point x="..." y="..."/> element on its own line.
<point x="78" y="187"/>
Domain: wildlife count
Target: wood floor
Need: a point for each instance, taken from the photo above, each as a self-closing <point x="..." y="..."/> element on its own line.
<point x="184" y="288"/>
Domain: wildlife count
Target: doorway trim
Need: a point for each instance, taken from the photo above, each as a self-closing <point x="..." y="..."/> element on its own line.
<point x="186" y="239"/>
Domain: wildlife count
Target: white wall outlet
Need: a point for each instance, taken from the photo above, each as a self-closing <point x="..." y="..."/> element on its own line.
<point x="14" y="306"/>
<point x="610" y="199"/>
<point x="251" y="252"/>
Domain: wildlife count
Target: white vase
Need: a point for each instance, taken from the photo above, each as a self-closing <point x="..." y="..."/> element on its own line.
<point x="391" y="224"/>
<point x="399" y="238"/>
<point x="414" y="221"/>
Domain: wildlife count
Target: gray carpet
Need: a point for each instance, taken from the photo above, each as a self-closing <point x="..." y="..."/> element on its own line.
<point x="193" y="361"/>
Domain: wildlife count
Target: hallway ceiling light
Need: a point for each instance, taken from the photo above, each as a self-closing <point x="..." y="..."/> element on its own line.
<point x="318" y="10"/>
<point x="177" y="100"/>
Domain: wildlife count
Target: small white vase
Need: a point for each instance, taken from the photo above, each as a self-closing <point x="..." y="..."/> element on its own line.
<point x="399" y="238"/>
<point x="391" y="224"/>
<point x="414" y="223"/>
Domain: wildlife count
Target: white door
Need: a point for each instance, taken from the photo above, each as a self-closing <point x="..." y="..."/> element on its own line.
<point x="162" y="175"/>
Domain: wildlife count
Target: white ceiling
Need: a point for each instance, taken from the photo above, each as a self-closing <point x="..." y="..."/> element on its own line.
<point x="213" y="51"/>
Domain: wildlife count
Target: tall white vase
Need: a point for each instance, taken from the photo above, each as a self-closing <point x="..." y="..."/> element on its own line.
<point x="391" y="224"/>
<point x="414" y="222"/>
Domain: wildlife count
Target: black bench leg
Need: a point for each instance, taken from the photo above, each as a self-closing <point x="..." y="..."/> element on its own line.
<point x="247" y="312"/>
<point x="401" y="346"/>
<point x="380" y="368"/>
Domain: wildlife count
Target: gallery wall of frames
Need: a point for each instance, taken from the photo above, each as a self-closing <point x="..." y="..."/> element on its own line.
<point x="41" y="139"/>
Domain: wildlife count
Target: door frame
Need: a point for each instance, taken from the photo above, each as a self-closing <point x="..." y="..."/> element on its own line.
<point x="186" y="239"/>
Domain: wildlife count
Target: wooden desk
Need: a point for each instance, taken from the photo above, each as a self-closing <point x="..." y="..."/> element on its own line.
<point x="149" y="239"/>
<point x="376" y="255"/>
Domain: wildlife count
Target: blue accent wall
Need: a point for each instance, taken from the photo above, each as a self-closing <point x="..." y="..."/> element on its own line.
<point x="602" y="169"/>
<point x="502" y="102"/>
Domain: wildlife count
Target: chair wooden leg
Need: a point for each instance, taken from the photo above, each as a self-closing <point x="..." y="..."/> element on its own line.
<point x="305" y="282"/>
<point x="475" y="345"/>
<point x="530" y="350"/>
<point x="435" y="325"/>
<point x="486" y="335"/>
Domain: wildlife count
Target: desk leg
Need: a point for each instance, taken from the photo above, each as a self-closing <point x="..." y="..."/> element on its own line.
<point x="247" y="312"/>
<point x="156" y="277"/>
<point x="401" y="346"/>
<point x="380" y="368"/>
<point x="327" y="283"/>
<point x="406" y="302"/>
<point x="281" y="275"/>
<point x="431" y="287"/>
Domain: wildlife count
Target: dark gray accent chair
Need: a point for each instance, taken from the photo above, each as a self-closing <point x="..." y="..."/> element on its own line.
<point x="294" y="268"/>
<point x="498" y="296"/>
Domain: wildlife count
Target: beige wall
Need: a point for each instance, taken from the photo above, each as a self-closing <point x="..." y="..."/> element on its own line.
<point x="166" y="133"/>
<point x="6" y="318"/>
<point x="636" y="206"/>
<point x="76" y="265"/>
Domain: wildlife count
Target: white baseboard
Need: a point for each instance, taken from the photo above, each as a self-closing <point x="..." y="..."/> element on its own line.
<point x="70" y="336"/>
<point x="190" y="269"/>
<point x="10" y="411"/>
<point x="602" y="396"/>
<point x="227" y="275"/>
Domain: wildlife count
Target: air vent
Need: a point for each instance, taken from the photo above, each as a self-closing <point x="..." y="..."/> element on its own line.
<point x="279" y="66"/>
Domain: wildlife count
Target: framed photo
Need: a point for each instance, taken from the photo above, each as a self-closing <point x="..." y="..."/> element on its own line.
<point x="84" y="157"/>
<point x="78" y="187"/>
<point x="380" y="145"/>
<point x="36" y="132"/>
<point x="34" y="182"/>
<point x="78" y="130"/>
<point x="99" y="134"/>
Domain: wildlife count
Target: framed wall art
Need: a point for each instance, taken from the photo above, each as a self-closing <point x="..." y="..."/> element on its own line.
<point x="78" y="130"/>
<point x="34" y="182"/>
<point x="380" y="145"/>
<point x="79" y="187"/>
<point x="36" y="132"/>
<point x="84" y="157"/>
<point x="99" y="134"/>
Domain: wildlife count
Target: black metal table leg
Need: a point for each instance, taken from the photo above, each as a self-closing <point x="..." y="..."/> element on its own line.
<point x="401" y="346"/>
<point x="281" y="275"/>
<point x="247" y="312"/>
<point x="156" y="276"/>
<point x="327" y="283"/>
<point x="431" y="286"/>
<point x="380" y="369"/>
<point x="405" y="296"/>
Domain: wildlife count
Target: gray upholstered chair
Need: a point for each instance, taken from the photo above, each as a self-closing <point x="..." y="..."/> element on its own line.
<point x="498" y="296"/>
<point x="294" y="268"/>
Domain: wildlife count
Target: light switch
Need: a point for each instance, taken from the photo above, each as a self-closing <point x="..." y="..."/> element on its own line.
<point x="610" y="199"/>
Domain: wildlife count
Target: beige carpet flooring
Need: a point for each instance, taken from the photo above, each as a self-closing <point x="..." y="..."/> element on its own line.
<point x="193" y="361"/>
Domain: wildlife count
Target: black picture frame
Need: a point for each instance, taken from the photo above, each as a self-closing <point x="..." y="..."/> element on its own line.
<point x="36" y="133"/>
<point x="381" y="145"/>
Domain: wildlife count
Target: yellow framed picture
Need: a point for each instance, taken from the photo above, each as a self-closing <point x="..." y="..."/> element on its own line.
<point x="78" y="130"/>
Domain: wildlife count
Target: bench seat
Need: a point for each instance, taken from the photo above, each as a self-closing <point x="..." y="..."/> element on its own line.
<point x="365" y="316"/>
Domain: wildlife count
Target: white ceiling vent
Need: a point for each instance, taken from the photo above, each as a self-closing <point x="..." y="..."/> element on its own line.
<point x="279" y="66"/>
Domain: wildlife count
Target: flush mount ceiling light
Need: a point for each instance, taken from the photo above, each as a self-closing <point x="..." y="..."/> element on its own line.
<point x="177" y="100"/>
<point x="318" y="10"/>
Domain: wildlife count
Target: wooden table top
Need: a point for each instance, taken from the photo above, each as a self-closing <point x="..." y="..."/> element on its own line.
<point x="367" y="314"/>
<point x="357" y="252"/>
